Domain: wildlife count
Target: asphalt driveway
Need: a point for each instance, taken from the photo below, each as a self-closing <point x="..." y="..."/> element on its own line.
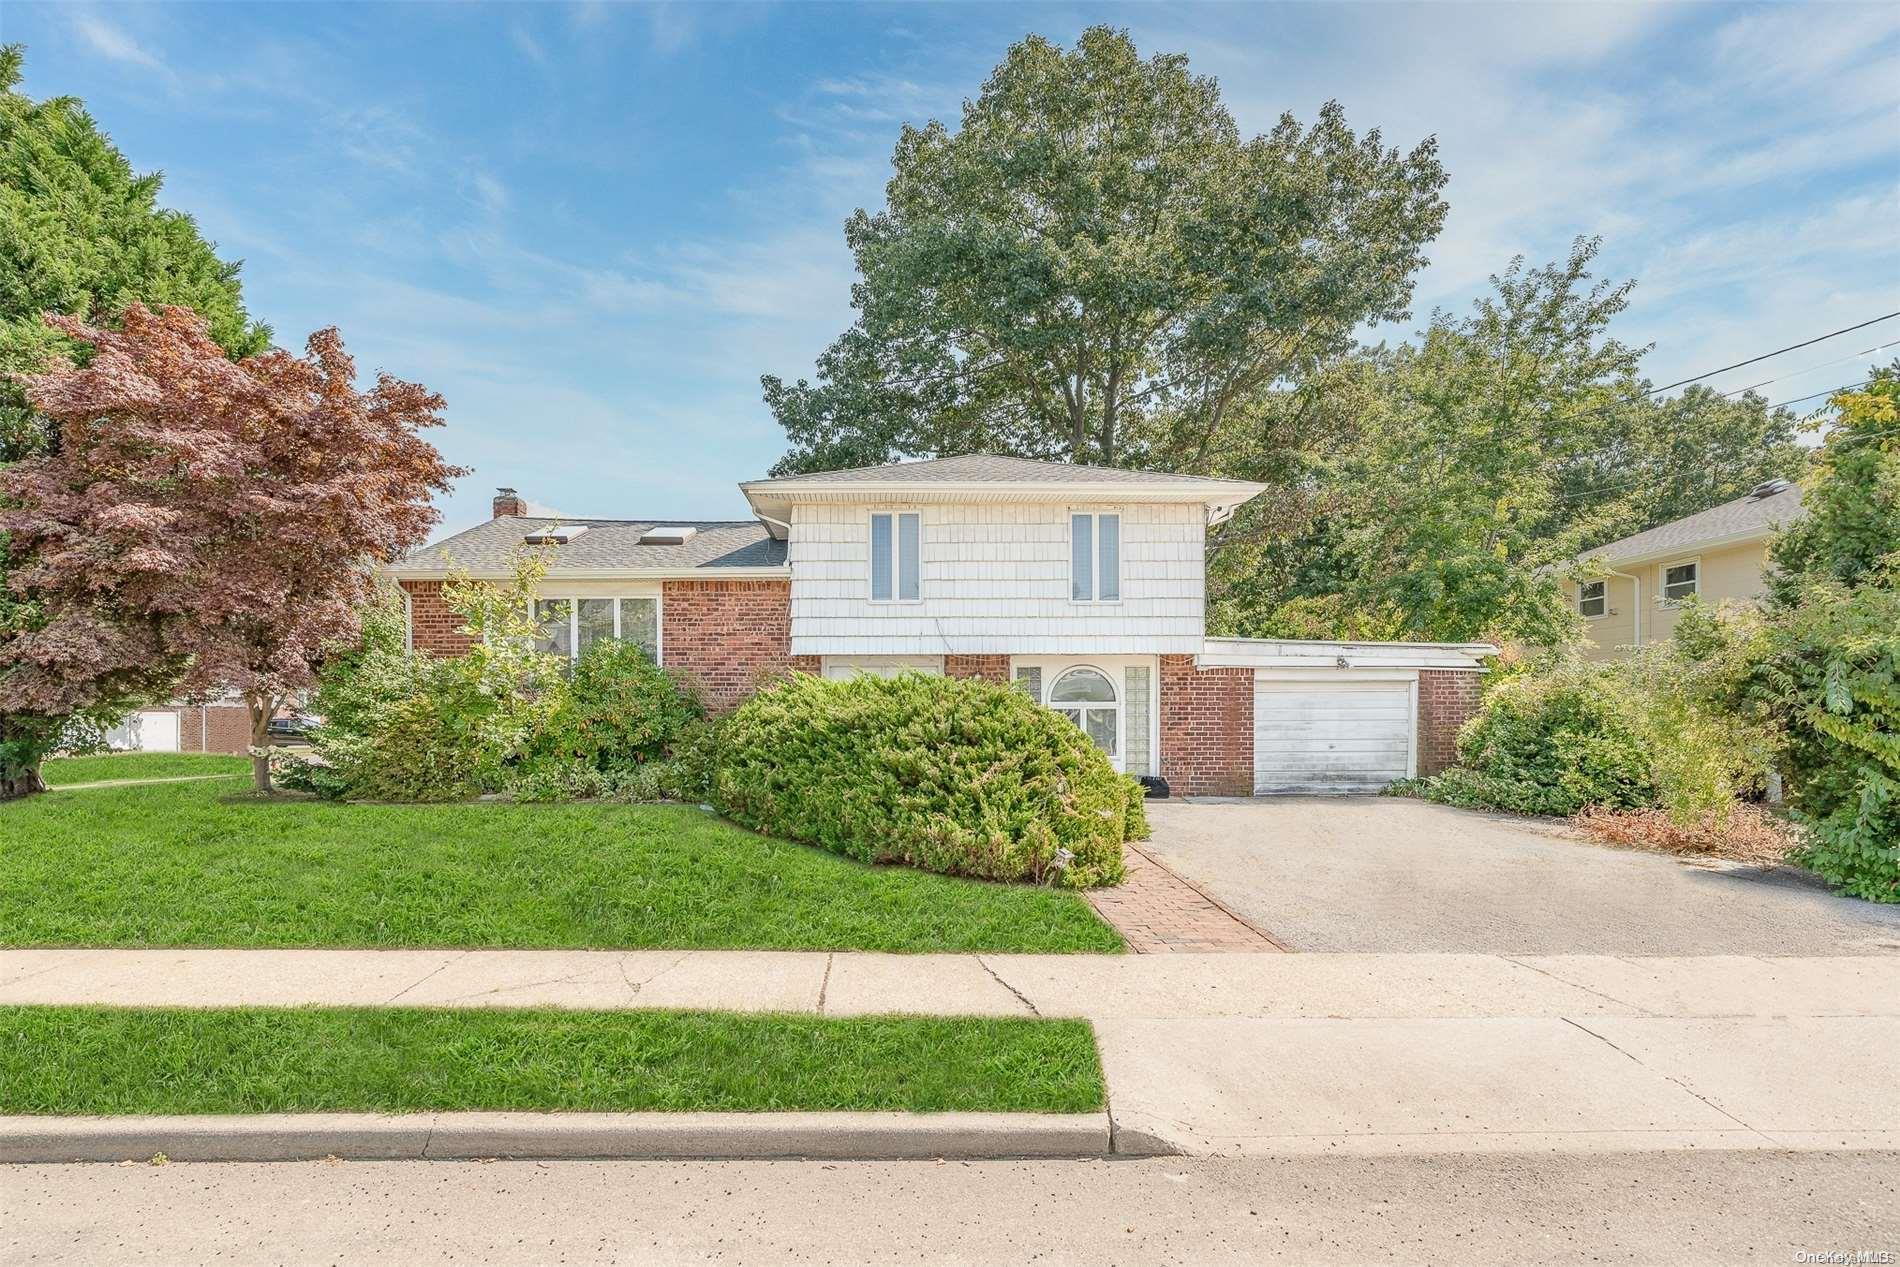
<point x="1394" y="874"/>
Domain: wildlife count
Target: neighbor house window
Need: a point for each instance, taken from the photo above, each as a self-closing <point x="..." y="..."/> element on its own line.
<point x="1087" y="698"/>
<point x="1593" y="598"/>
<point x="896" y="558"/>
<point x="1095" y="558"/>
<point x="1680" y="581"/>
<point x="568" y="626"/>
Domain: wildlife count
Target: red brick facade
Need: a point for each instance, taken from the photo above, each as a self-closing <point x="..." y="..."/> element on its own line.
<point x="729" y="637"/>
<point x="432" y="626"/>
<point x="218" y="728"/>
<point x="993" y="667"/>
<point x="1446" y="700"/>
<point x="1206" y="729"/>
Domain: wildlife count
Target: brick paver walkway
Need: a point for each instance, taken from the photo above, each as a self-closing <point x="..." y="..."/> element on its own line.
<point x="1156" y="912"/>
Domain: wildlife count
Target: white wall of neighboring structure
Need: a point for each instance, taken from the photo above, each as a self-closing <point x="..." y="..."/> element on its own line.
<point x="995" y="579"/>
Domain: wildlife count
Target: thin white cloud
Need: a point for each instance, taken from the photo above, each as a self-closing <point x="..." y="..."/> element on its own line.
<point x="107" y="40"/>
<point x="528" y="46"/>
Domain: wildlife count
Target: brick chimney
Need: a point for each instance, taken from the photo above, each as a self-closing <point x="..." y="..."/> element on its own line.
<point x="509" y="502"/>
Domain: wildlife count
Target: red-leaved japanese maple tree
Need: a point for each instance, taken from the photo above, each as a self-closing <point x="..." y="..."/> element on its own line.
<point x="207" y="522"/>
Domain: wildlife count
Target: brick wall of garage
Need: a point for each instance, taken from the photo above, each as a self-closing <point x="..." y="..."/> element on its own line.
<point x="994" y="668"/>
<point x="1206" y="729"/>
<point x="214" y="728"/>
<point x="1446" y="700"/>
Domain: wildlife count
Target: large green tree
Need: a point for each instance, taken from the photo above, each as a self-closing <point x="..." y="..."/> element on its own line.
<point x="1447" y="511"/>
<point x="1660" y="458"/>
<point x="81" y="235"/>
<point x="1095" y="266"/>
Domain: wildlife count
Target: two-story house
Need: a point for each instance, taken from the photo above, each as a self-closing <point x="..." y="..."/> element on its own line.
<point x="1083" y="586"/>
<point x="1631" y="590"/>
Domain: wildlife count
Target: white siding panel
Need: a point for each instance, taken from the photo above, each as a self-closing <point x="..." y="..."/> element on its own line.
<point x="1331" y="736"/>
<point x="996" y="579"/>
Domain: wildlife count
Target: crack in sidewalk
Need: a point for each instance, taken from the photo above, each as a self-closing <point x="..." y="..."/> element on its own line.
<point x="441" y="967"/>
<point x="1667" y="1077"/>
<point x="824" y="986"/>
<point x="1575" y="985"/>
<point x="1020" y="996"/>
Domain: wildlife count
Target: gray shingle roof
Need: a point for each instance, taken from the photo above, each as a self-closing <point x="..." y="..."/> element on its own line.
<point x="607" y="544"/>
<point x="1738" y="518"/>
<point x="987" y="468"/>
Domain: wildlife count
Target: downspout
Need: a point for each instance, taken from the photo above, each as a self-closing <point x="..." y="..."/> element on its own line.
<point x="1636" y="613"/>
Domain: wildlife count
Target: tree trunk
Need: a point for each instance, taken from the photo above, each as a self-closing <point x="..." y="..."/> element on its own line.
<point x="19" y="780"/>
<point x="26" y="741"/>
<point x="261" y="710"/>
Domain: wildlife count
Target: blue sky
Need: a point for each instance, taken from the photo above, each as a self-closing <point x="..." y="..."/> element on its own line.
<point x="593" y="226"/>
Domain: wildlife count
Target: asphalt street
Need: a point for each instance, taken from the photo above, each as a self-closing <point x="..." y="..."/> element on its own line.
<point x="1726" y="1207"/>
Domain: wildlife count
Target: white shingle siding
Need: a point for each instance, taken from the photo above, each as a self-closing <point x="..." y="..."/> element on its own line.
<point x="996" y="580"/>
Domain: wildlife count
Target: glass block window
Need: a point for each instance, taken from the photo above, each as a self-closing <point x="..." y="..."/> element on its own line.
<point x="1138" y="690"/>
<point x="1029" y="681"/>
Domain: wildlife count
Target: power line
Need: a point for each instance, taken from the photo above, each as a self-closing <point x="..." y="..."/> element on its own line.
<point x="1782" y="378"/>
<point x="1639" y="479"/>
<point x="1777" y="352"/>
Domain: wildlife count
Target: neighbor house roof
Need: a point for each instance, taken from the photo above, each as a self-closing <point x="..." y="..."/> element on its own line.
<point x="607" y="547"/>
<point x="992" y="477"/>
<point x="1749" y="518"/>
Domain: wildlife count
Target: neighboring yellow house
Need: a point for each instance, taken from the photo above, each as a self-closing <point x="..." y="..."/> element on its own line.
<point x="1718" y="555"/>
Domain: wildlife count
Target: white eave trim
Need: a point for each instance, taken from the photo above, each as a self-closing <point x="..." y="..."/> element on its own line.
<point x="1679" y="549"/>
<point x="1286" y="653"/>
<point x="765" y="499"/>
<point x="558" y="575"/>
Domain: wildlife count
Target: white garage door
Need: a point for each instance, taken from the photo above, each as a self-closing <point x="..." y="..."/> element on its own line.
<point x="158" y="731"/>
<point x="1331" y="737"/>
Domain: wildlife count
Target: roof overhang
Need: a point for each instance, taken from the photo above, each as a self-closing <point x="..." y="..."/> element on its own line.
<point x="1681" y="549"/>
<point x="1290" y="653"/>
<point x="440" y="572"/>
<point x="772" y="500"/>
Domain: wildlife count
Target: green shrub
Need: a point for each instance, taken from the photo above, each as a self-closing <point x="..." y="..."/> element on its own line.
<point x="616" y="712"/>
<point x="1562" y="736"/>
<point x="1833" y="677"/>
<point x="1552" y="743"/>
<point x="964" y="777"/>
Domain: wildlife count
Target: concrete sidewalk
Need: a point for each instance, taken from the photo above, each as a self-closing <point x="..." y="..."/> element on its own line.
<point x="1096" y="987"/>
<point x="1230" y="1054"/>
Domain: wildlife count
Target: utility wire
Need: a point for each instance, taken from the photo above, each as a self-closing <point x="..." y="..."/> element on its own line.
<point x="1639" y="479"/>
<point x="1683" y="382"/>
<point x="1782" y="378"/>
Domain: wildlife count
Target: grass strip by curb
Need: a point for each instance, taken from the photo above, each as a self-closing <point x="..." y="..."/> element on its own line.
<point x="205" y="864"/>
<point x="106" y="1060"/>
<point x="64" y="771"/>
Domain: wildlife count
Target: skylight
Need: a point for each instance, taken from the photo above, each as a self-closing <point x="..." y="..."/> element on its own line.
<point x="667" y="535"/>
<point x="554" y="534"/>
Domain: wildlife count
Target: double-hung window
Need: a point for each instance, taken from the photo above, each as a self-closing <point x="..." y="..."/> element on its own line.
<point x="1095" y="558"/>
<point x="1680" y="581"/>
<point x="896" y="557"/>
<point x="566" y="627"/>
<point x="1593" y="599"/>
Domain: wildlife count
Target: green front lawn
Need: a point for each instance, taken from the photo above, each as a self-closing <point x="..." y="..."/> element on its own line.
<point x="63" y="771"/>
<point x="207" y="864"/>
<point x="97" y="1060"/>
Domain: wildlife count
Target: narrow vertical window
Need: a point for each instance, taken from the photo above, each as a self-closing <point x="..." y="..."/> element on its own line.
<point x="880" y="558"/>
<point x="1082" y="558"/>
<point x="896" y="557"/>
<point x="1095" y="558"/>
<point x="1108" y="558"/>
<point x="909" y="551"/>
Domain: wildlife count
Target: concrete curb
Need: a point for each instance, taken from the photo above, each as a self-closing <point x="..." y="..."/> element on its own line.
<point x="450" y="1136"/>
